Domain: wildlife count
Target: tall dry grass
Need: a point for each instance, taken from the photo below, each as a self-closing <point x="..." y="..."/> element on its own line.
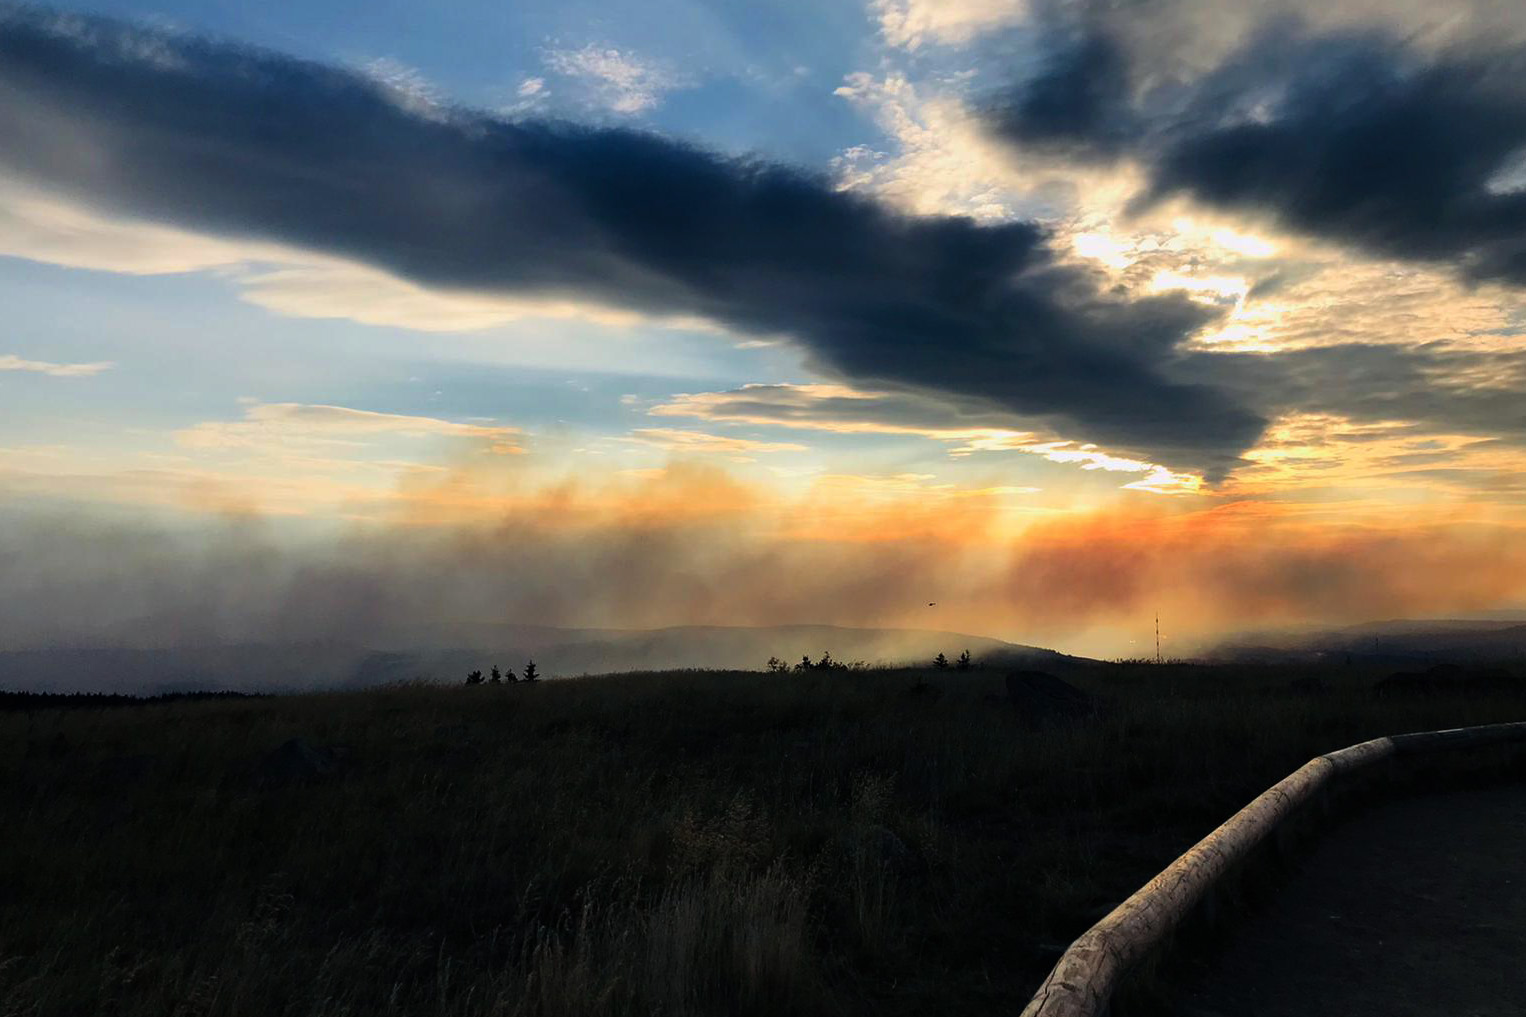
<point x="684" y="844"/>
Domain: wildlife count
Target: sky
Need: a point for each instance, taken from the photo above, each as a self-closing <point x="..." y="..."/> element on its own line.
<point x="1023" y="318"/>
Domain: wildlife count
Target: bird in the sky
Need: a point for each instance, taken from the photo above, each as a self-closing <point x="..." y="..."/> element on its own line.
<point x="932" y="603"/>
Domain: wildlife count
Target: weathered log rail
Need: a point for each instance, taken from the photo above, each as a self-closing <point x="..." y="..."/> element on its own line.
<point x="1089" y="974"/>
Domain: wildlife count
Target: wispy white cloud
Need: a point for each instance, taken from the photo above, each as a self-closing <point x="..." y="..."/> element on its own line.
<point x="281" y="458"/>
<point x="408" y="86"/>
<point x="620" y="79"/>
<point x="11" y="362"/>
<point x="330" y="288"/>
<point x="285" y="427"/>
<point x="44" y="227"/>
<point x="841" y="410"/>
<point x="912" y="23"/>
<point x="675" y="439"/>
<point x="944" y="160"/>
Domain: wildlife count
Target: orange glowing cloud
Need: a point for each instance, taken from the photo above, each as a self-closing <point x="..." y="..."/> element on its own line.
<point x="694" y="544"/>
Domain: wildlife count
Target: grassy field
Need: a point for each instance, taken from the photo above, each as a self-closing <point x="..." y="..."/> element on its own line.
<point x="683" y="843"/>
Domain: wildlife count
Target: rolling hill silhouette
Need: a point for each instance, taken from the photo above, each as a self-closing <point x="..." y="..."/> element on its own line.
<point x="448" y="655"/>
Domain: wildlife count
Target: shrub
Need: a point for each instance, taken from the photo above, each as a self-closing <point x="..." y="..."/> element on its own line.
<point x="826" y="663"/>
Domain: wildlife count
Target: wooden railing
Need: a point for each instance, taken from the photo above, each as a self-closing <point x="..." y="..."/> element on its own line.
<point x="1090" y="972"/>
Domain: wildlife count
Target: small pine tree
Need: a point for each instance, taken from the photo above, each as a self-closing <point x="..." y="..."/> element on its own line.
<point x="964" y="663"/>
<point x="777" y="666"/>
<point x="475" y="678"/>
<point x="531" y="675"/>
<point x="497" y="676"/>
<point x="805" y="663"/>
<point x="940" y="662"/>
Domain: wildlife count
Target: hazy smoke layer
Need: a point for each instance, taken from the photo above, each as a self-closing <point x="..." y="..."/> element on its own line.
<point x="696" y="548"/>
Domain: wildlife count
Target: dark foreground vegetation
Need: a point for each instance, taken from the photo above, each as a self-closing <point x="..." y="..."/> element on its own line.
<point x="12" y="701"/>
<point x="817" y="842"/>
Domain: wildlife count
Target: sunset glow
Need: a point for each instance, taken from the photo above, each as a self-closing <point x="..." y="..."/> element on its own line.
<point x="676" y="318"/>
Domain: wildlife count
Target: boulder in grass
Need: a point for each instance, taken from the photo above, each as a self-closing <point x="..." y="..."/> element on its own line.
<point x="924" y="691"/>
<point x="296" y="761"/>
<point x="1308" y="685"/>
<point x="880" y="848"/>
<point x="1041" y="698"/>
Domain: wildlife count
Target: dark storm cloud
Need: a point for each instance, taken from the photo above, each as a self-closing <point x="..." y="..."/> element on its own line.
<point x="1353" y="137"/>
<point x="1368" y="147"/>
<point x="1078" y="104"/>
<point x="1435" y="385"/>
<point x="250" y="143"/>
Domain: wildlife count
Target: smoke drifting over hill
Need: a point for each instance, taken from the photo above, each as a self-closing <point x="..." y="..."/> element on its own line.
<point x="694" y="546"/>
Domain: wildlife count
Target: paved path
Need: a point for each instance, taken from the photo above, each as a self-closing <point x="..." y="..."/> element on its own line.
<point x="1418" y="907"/>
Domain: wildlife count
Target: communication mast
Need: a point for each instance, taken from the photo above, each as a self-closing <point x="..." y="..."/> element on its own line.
<point x="1157" y="637"/>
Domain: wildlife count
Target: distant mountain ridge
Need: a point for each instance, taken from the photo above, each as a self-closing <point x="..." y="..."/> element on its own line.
<point x="450" y="655"/>
<point x="1419" y="640"/>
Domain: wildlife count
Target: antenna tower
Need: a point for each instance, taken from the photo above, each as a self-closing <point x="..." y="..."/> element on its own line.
<point x="1157" y="637"/>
